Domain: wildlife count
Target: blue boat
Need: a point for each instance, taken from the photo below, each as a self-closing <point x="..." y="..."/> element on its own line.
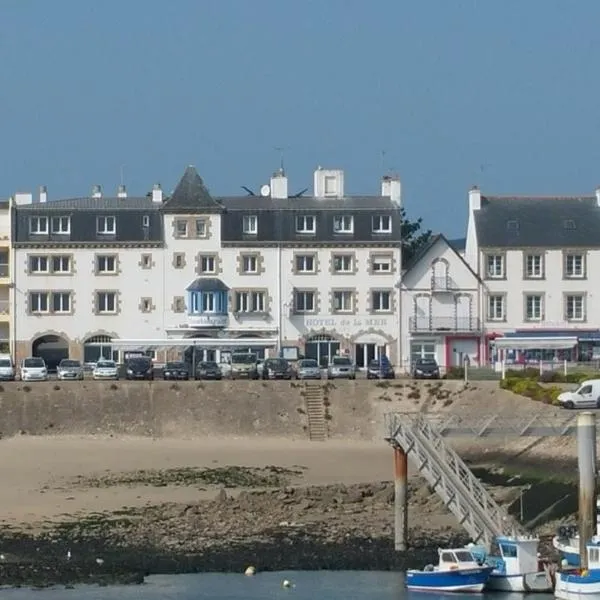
<point x="457" y="571"/>
<point x="578" y="584"/>
<point x="566" y="541"/>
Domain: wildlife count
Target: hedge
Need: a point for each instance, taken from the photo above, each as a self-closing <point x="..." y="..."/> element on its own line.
<point x="551" y="376"/>
<point x="530" y="388"/>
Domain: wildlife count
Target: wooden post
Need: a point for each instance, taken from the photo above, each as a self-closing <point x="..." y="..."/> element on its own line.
<point x="400" y="499"/>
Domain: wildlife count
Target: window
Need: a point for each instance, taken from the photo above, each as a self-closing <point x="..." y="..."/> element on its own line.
<point x="61" y="264"/>
<point x="533" y="307"/>
<point x="106" y="302"/>
<point x="181" y="228"/>
<point x="146" y="261"/>
<point x="61" y="302"/>
<point x="381" y="264"/>
<point x="179" y="260"/>
<point x="495" y="266"/>
<point x="343" y="301"/>
<point x="304" y="301"/>
<point x="575" y="307"/>
<point x="146" y="305"/>
<point x="106" y="264"/>
<point x="38" y="225"/>
<point x="38" y="302"/>
<point x="305" y="224"/>
<point x="534" y="266"/>
<point x="342" y="263"/>
<point x="61" y="225"/>
<point x="207" y="264"/>
<point x="496" y="310"/>
<point x="201" y="228"/>
<point x="146" y="221"/>
<point x="250" y="224"/>
<point x="106" y="226"/>
<point x="38" y="264"/>
<point x="305" y="263"/>
<point x="574" y="266"/>
<point x="249" y="263"/>
<point x="343" y="224"/>
<point x="178" y="304"/>
<point x="382" y="224"/>
<point x="250" y="302"/>
<point x="330" y="184"/>
<point x="381" y="301"/>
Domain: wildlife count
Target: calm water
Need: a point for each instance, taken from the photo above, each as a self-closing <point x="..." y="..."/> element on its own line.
<point x="309" y="585"/>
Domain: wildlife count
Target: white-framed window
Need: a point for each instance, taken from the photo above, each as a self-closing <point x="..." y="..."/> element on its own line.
<point x="61" y="302"/>
<point x="250" y="301"/>
<point x="181" y="228"/>
<point x="61" y="225"/>
<point x="179" y="260"/>
<point x="574" y="266"/>
<point x="106" y="225"/>
<point x="38" y="302"/>
<point x="381" y="224"/>
<point x="146" y="261"/>
<point x="306" y="224"/>
<point x="249" y="263"/>
<point x="381" y="301"/>
<point x="343" y="263"/>
<point x="330" y="185"/>
<point x="343" y="301"/>
<point x="250" y="224"/>
<point x="38" y="225"/>
<point x="381" y="264"/>
<point x="106" y="263"/>
<point x="106" y="303"/>
<point x="146" y="221"/>
<point x="61" y="264"/>
<point x="305" y="263"/>
<point x="304" y="301"/>
<point x="575" y="307"/>
<point x="208" y="303"/>
<point x="534" y="307"/>
<point x="146" y="305"/>
<point x="207" y="264"/>
<point x="201" y="228"/>
<point x="496" y="307"/>
<point x="494" y="266"/>
<point x="534" y="266"/>
<point x="343" y="224"/>
<point x="39" y="264"/>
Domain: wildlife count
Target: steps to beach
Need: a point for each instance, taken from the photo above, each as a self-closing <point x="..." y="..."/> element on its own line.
<point x="315" y="410"/>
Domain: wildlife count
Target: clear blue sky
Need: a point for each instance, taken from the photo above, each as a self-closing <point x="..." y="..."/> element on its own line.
<point x="503" y="94"/>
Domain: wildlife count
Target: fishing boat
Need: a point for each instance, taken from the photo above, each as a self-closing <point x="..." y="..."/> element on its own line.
<point x="576" y="583"/>
<point x="457" y="571"/>
<point x="566" y="540"/>
<point x="516" y="565"/>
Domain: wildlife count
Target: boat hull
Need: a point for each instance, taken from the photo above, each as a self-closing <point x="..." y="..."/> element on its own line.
<point x="523" y="583"/>
<point x="573" y="585"/>
<point x="567" y="551"/>
<point x="459" y="580"/>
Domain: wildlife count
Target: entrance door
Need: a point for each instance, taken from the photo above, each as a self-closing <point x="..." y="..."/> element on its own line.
<point x="321" y="348"/>
<point x="365" y="353"/>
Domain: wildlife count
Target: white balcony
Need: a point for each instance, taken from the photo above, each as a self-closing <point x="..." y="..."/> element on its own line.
<point x="208" y="320"/>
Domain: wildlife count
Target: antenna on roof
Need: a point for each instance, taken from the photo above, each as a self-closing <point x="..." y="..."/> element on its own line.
<point x="299" y="194"/>
<point x="122" y="176"/>
<point x="250" y="192"/>
<point x="281" y="151"/>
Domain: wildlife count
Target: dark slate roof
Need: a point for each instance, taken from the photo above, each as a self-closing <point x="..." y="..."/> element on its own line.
<point x="207" y="284"/>
<point x="95" y="204"/>
<point x="191" y="196"/>
<point x="458" y="244"/>
<point x="305" y="203"/>
<point x="525" y="222"/>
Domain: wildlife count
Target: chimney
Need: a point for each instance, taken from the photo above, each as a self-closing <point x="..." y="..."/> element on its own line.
<point x="391" y="187"/>
<point x="157" y="194"/>
<point x="43" y="194"/>
<point x="122" y="191"/>
<point x="329" y="183"/>
<point x="474" y="199"/>
<point x="96" y="191"/>
<point x="279" y="185"/>
<point x="598" y="196"/>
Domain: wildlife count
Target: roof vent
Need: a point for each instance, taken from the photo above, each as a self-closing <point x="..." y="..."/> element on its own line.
<point x="512" y="225"/>
<point x="569" y="224"/>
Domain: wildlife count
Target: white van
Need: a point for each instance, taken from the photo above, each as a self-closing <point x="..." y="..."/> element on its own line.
<point x="7" y="368"/>
<point x="587" y="395"/>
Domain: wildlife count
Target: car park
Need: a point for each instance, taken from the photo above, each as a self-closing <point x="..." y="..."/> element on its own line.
<point x="105" y="369"/>
<point x="308" y="368"/>
<point x="140" y="367"/>
<point x="69" y="369"/>
<point x="34" y="369"/>
<point x="208" y="370"/>
<point x="380" y="368"/>
<point x="7" y="368"/>
<point x="176" y="370"/>
<point x="277" y="368"/>
<point x="341" y="367"/>
<point x="587" y="395"/>
<point x="425" y="368"/>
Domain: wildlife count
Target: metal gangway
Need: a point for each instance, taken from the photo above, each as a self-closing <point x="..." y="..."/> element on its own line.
<point x="421" y="437"/>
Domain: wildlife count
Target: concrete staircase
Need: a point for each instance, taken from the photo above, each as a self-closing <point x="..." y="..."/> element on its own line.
<point x="315" y="411"/>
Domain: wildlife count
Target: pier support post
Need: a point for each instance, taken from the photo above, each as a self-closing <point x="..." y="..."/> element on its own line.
<point x="400" y="499"/>
<point x="586" y="458"/>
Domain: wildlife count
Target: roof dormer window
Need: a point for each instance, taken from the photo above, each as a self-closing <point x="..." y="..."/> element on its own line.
<point x="38" y="225"/>
<point x="250" y="224"/>
<point x="343" y="224"/>
<point x="61" y="225"/>
<point x="106" y="226"/>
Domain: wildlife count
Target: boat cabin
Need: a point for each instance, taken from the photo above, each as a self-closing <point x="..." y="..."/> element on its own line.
<point x="456" y="558"/>
<point x="593" y="554"/>
<point x="518" y="555"/>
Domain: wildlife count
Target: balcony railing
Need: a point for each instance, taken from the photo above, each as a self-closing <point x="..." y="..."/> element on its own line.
<point x="442" y="284"/>
<point x="443" y="324"/>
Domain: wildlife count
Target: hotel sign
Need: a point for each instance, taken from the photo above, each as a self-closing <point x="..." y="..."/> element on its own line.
<point x="207" y="320"/>
<point x="345" y="324"/>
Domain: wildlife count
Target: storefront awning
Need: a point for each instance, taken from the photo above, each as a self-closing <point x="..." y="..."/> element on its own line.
<point x="535" y="343"/>
<point x="213" y="343"/>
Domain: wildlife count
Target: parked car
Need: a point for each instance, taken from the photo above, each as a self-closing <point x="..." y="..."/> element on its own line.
<point x="341" y="367"/>
<point x="176" y="370"/>
<point x="34" y="369"/>
<point x="260" y="366"/>
<point x="7" y="368"/>
<point x="69" y="369"/>
<point x="244" y="365"/>
<point x="587" y="395"/>
<point x="425" y="368"/>
<point x="208" y="369"/>
<point x="380" y="368"/>
<point x="105" y="369"/>
<point x="140" y="367"/>
<point x="277" y="368"/>
<point x="308" y="368"/>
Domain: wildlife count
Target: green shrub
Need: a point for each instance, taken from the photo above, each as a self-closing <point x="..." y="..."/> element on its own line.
<point x="530" y="388"/>
<point x="550" y="376"/>
<point x="455" y="373"/>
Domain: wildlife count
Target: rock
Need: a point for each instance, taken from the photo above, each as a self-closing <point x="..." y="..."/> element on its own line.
<point x="221" y="496"/>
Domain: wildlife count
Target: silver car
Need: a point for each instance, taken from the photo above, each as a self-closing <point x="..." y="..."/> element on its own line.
<point x="341" y="367"/>
<point x="308" y="368"/>
<point x="69" y="369"/>
<point x="106" y="369"/>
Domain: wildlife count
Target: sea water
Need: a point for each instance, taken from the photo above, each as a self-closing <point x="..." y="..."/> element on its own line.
<point x="305" y="585"/>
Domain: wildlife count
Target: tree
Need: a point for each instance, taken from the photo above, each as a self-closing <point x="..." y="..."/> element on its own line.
<point x="413" y="237"/>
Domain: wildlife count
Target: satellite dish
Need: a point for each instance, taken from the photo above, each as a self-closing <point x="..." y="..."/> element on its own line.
<point x="265" y="190"/>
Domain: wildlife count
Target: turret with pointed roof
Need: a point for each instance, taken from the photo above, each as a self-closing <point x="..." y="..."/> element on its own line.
<point x="191" y="196"/>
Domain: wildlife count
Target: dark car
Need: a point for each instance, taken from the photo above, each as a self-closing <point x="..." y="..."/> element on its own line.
<point x="140" y="368"/>
<point x="380" y="369"/>
<point x="208" y="370"/>
<point x="425" y="368"/>
<point x="176" y="370"/>
<point x="277" y="368"/>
